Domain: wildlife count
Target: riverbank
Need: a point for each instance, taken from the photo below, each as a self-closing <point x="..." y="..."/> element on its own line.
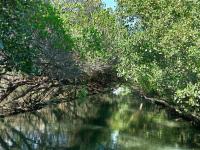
<point x="194" y="118"/>
<point x="173" y="109"/>
<point x="32" y="93"/>
<point x="103" y="121"/>
<point x="22" y="93"/>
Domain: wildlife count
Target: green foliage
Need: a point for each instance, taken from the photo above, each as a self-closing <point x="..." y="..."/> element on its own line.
<point x="15" y="32"/>
<point x="93" y="28"/>
<point x="188" y="98"/>
<point x="92" y="41"/>
<point x="23" y="24"/>
<point x="82" y="94"/>
<point x="29" y="27"/>
<point x="159" y="50"/>
<point x="49" y="25"/>
<point x="163" y="55"/>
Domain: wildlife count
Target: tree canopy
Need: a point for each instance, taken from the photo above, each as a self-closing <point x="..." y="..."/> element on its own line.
<point x="151" y="43"/>
<point x="163" y="54"/>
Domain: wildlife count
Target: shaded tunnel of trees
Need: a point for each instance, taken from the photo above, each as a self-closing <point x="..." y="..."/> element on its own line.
<point x="48" y="47"/>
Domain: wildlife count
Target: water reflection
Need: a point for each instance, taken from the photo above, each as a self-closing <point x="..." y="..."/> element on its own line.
<point x="103" y="122"/>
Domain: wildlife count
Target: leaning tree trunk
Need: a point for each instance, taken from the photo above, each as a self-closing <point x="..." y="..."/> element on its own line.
<point x="21" y="92"/>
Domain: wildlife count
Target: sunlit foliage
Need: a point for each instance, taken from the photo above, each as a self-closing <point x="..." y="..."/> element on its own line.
<point x="154" y="43"/>
<point x="162" y="56"/>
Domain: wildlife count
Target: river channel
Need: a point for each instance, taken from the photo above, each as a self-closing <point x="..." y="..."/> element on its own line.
<point x="100" y="122"/>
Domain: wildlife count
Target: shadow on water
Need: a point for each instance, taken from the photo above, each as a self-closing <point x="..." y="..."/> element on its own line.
<point x="103" y="122"/>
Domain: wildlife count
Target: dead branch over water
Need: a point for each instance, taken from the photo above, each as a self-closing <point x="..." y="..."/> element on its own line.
<point x="19" y="92"/>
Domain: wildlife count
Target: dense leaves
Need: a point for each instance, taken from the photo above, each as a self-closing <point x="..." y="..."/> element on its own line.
<point x="164" y="54"/>
<point x="94" y="28"/>
<point x="154" y="43"/>
<point x="25" y="25"/>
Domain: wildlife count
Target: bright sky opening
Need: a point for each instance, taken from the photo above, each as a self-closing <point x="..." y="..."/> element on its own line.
<point x="110" y="4"/>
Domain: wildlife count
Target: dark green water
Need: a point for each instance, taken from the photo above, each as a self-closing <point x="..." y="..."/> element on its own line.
<point x="103" y="122"/>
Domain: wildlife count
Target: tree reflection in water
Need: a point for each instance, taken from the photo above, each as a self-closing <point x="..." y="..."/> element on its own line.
<point x="103" y="122"/>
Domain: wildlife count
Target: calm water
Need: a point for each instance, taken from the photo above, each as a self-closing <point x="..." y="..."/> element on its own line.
<point x="103" y="122"/>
